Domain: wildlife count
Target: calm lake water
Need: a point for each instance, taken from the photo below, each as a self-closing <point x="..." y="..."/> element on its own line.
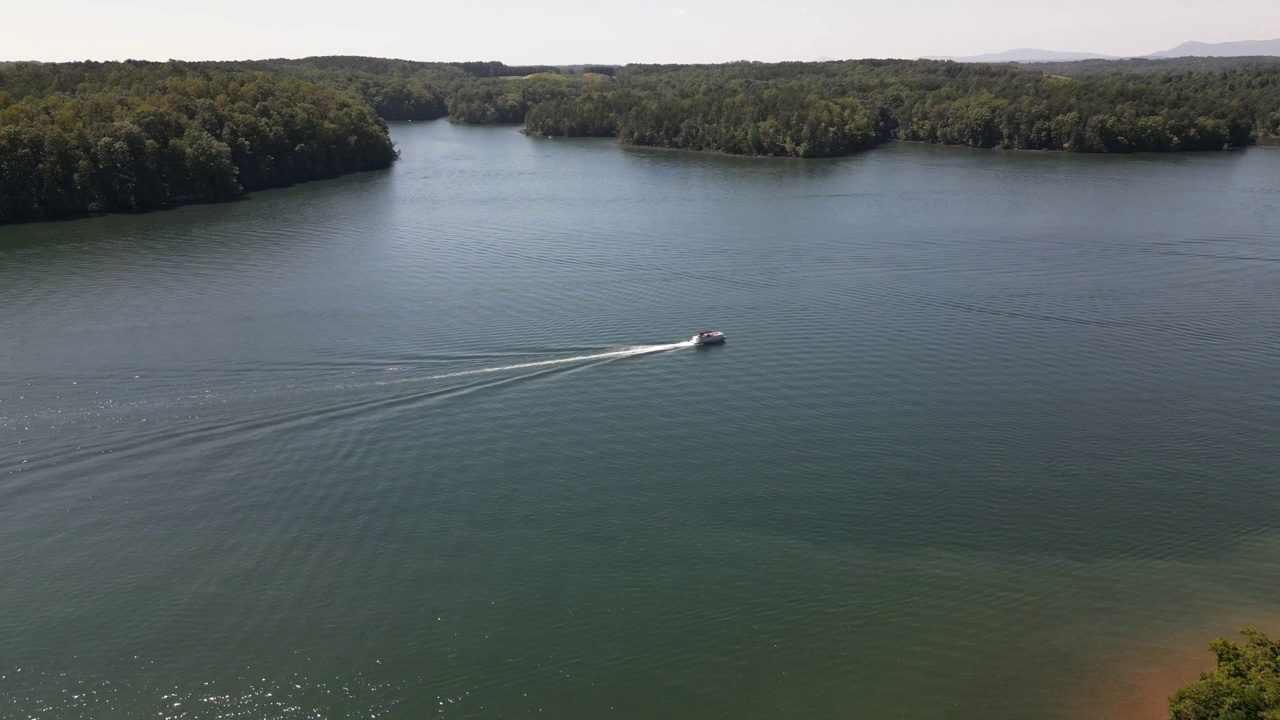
<point x="995" y="436"/>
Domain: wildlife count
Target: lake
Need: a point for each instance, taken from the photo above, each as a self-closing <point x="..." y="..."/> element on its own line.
<point x="994" y="436"/>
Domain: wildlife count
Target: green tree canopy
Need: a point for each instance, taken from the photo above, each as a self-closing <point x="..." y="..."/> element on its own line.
<point x="126" y="137"/>
<point x="1244" y="685"/>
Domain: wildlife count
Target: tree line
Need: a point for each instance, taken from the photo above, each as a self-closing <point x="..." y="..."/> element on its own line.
<point x="467" y="92"/>
<point x="1164" y="66"/>
<point x="837" y="108"/>
<point x="103" y="137"/>
<point x="824" y="109"/>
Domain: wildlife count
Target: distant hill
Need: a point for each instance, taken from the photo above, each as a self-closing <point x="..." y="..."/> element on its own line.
<point x="1028" y="55"/>
<point x="1239" y="48"/>
<point x="1022" y="55"/>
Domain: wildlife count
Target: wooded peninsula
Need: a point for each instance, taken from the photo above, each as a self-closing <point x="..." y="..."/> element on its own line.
<point x="79" y="138"/>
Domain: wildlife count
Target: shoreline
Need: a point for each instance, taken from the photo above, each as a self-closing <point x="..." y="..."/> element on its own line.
<point x="243" y="197"/>
<point x="1270" y="143"/>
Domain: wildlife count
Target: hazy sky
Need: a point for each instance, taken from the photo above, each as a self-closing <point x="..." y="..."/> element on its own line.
<point x="607" y="31"/>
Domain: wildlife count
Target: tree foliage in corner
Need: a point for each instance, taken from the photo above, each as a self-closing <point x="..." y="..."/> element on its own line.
<point x="1245" y="684"/>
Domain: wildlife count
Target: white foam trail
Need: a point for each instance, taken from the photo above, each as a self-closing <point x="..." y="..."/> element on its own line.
<point x="626" y="352"/>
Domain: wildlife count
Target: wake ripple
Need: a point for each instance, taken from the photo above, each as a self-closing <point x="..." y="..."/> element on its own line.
<point x="110" y="413"/>
<point x="612" y="354"/>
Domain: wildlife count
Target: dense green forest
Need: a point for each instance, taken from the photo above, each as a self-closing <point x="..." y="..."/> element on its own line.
<point x="101" y="137"/>
<point x="395" y="89"/>
<point x="468" y="92"/>
<point x="1163" y="66"/>
<point x="1244" y="684"/>
<point x="834" y="108"/>
<point x="124" y="137"/>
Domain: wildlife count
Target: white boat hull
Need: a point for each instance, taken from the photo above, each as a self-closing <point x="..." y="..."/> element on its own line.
<point x="708" y="338"/>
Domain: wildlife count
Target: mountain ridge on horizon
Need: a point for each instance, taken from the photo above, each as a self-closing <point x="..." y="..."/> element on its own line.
<point x="1192" y="48"/>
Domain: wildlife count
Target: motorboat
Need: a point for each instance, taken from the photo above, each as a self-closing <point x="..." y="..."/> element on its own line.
<point x="708" y="337"/>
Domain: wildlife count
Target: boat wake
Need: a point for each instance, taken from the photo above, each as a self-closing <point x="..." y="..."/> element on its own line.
<point x="611" y="355"/>
<point x="192" y="416"/>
